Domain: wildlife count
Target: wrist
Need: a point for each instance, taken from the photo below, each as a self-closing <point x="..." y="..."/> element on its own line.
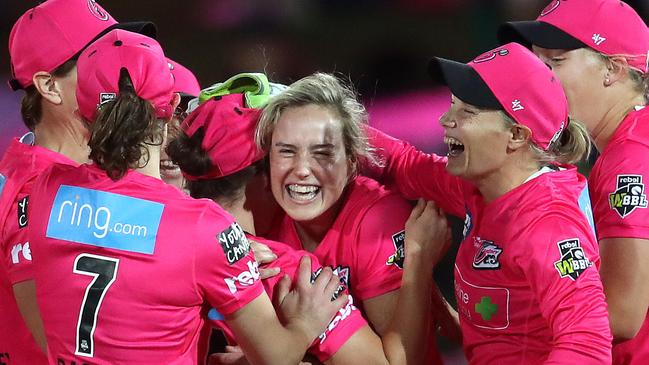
<point x="302" y="333"/>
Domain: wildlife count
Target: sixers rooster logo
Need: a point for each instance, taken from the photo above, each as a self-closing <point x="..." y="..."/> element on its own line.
<point x="550" y="8"/>
<point x="97" y="11"/>
<point x="488" y="56"/>
<point x="486" y="258"/>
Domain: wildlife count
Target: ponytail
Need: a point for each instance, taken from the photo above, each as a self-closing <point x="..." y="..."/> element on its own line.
<point x="573" y="145"/>
<point x="122" y="131"/>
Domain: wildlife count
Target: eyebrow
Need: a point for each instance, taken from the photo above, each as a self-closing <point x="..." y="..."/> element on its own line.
<point x="314" y="147"/>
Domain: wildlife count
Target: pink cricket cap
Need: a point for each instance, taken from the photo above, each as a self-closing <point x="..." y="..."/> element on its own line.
<point x="100" y="65"/>
<point x="52" y="33"/>
<point x="610" y="27"/>
<point x="185" y="83"/>
<point x="513" y="79"/>
<point x="229" y="134"/>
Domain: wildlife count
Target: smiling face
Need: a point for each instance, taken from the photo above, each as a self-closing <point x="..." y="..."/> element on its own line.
<point x="582" y="74"/>
<point x="309" y="168"/>
<point x="477" y="140"/>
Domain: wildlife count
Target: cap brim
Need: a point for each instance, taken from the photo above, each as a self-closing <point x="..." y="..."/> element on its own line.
<point x="537" y="33"/>
<point x="464" y="82"/>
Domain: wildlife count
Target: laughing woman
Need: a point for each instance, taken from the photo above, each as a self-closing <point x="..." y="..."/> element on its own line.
<point x="526" y="279"/>
<point x="313" y="135"/>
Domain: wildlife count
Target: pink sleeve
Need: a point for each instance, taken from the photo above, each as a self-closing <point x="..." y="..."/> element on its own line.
<point x="15" y="245"/>
<point x="379" y="248"/>
<point x="560" y="261"/>
<point x="416" y="174"/>
<point x="618" y="193"/>
<point x="226" y="272"/>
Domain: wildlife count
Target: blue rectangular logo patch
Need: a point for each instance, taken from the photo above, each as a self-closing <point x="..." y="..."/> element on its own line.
<point x="104" y="219"/>
<point x="3" y="179"/>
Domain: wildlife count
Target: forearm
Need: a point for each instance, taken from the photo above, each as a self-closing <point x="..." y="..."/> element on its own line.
<point x="409" y="330"/>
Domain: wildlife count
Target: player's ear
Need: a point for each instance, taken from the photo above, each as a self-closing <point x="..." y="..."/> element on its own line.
<point x="520" y="136"/>
<point x="46" y="85"/>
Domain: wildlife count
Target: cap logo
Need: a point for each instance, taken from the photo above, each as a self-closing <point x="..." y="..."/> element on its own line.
<point x="550" y="8"/>
<point x="106" y="97"/>
<point x="490" y="56"/>
<point x="97" y="11"/>
<point x="556" y="135"/>
<point x="516" y="105"/>
<point x="598" y="39"/>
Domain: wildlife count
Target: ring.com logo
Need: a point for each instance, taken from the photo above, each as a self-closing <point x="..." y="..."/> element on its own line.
<point x="104" y="219"/>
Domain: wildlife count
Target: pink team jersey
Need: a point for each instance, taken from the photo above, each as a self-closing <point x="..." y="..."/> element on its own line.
<point x="21" y="164"/>
<point x="365" y="245"/>
<point x="617" y="187"/>
<point x="526" y="278"/>
<point x="124" y="268"/>
<point x="343" y="326"/>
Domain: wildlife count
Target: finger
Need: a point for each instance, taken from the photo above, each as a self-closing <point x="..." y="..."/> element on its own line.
<point x="332" y="285"/>
<point x="323" y="279"/>
<point x="341" y="301"/>
<point x="282" y="289"/>
<point x="268" y="272"/>
<point x="304" y="272"/>
<point x="265" y="257"/>
<point x="224" y="359"/>
<point x="416" y="211"/>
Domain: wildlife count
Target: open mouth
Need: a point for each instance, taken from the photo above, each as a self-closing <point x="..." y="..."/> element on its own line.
<point x="455" y="147"/>
<point x="302" y="192"/>
<point x="169" y="167"/>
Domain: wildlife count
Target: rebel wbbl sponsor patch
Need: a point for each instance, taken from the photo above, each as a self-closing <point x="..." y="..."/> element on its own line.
<point x="486" y="258"/>
<point x="628" y="196"/>
<point x="573" y="261"/>
<point x="234" y="243"/>
<point x="396" y="259"/>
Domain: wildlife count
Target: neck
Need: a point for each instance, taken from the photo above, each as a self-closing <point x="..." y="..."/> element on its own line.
<point x="312" y="232"/>
<point x="509" y="177"/>
<point x="613" y="117"/>
<point x="69" y="139"/>
<point x="152" y="166"/>
<point x="242" y="215"/>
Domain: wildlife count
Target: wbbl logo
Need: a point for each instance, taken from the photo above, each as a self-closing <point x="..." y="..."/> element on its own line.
<point x="396" y="259"/>
<point x="487" y="256"/>
<point x="628" y="196"/>
<point x="573" y="261"/>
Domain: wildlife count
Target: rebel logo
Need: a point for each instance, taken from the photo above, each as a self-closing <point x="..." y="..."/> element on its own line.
<point x="399" y="242"/>
<point x="486" y="258"/>
<point x="573" y="260"/>
<point x="628" y="196"/>
<point x="245" y="279"/>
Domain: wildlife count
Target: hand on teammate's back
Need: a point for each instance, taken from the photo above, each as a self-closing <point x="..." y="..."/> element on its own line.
<point x="310" y="305"/>
<point x="427" y="231"/>
<point x="264" y="255"/>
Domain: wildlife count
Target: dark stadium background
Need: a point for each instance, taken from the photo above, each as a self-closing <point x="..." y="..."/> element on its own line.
<point x="382" y="46"/>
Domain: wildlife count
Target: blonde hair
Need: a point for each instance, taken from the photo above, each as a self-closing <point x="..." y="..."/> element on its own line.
<point x="328" y="91"/>
<point x="640" y="81"/>
<point x="572" y="146"/>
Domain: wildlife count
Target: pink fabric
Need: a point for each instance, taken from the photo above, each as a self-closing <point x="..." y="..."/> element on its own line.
<point x="343" y="326"/>
<point x="620" y="173"/>
<point x="229" y="138"/>
<point x="362" y="239"/>
<point x="184" y="79"/>
<point x="509" y="71"/>
<point x="151" y="313"/>
<point x="98" y="71"/>
<point x="608" y="26"/>
<point x="519" y="301"/>
<point x="51" y="33"/>
<point x="20" y="165"/>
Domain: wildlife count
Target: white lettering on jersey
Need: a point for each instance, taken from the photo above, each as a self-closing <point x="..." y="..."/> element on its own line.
<point x="244" y="279"/>
<point x="17" y="249"/>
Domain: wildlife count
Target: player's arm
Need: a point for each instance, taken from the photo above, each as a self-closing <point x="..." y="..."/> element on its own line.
<point x="415" y="174"/>
<point x="25" y="294"/>
<point x="559" y="262"/>
<point x="625" y="274"/>
<point x="306" y="310"/>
